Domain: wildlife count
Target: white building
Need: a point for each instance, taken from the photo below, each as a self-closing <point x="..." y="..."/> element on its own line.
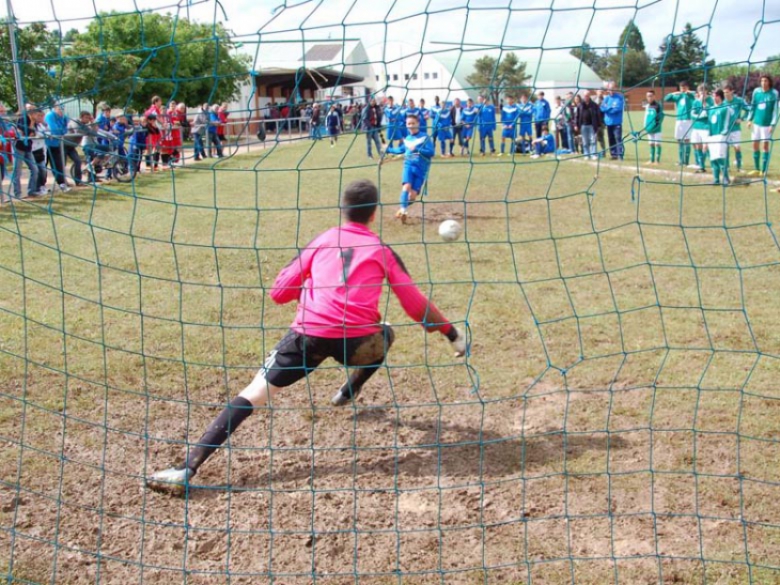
<point x="402" y="71"/>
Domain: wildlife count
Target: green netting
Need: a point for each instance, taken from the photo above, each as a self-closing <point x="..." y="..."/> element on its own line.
<point x="616" y="421"/>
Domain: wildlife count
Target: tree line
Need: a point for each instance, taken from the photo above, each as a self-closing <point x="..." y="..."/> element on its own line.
<point x="682" y="57"/>
<point x="124" y="59"/>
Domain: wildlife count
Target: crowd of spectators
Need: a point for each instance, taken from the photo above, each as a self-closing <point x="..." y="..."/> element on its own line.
<point x="43" y="143"/>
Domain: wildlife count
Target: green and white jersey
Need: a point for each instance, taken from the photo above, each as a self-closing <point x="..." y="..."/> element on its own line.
<point x="719" y="118"/>
<point x="654" y="116"/>
<point x="738" y="110"/>
<point x="763" y="107"/>
<point x="684" y="102"/>
<point x="700" y="114"/>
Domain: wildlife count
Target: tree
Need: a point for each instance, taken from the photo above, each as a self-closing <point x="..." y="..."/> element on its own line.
<point x="592" y="58"/>
<point x="746" y="83"/>
<point x="684" y="58"/>
<point x="630" y="68"/>
<point x="37" y="51"/>
<point x="124" y="59"/>
<point x="631" y="38"/>
<point x="493" y="78"/>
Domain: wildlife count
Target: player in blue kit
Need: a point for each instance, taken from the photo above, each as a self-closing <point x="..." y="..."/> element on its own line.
<point x="418" y="150"/>
<point x="391" y="118"/>
<point x="526" y="124"/>
<point x="409" y="109"/>
<point x="469" y="118"/>
<point x="443" y="125"/>
<point x="509" y="115"/>
<point x="487" y="124"/>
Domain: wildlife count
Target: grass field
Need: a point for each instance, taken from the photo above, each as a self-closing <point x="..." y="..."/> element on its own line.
<point x="616" y="421"/>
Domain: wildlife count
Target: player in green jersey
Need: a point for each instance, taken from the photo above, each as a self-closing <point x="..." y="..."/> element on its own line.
<point x="763" y="119"/>
<point x="683" y="100"/>
<point x="719" y="118"/>
<point x="654" y="117"/>
<point x="700" y="131"/>
<point x="739" y="110"/>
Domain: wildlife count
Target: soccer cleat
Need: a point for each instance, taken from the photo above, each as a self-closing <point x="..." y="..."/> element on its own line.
<point x="171" y="481"/>
<point x="402" y="215"/>
<point x="344" y="396"/>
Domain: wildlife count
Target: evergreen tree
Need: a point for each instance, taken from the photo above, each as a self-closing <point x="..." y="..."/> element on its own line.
<point x="684" y="58"/>
<point x="631" y="38"/>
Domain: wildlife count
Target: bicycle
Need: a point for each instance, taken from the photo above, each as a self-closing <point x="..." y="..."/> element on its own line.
<point x="105" y="158"/>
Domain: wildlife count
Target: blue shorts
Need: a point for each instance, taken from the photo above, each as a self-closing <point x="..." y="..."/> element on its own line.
<point x="333" y="130"/>
<point x="467" y="132"/>
<point x="526" y="130"/>
<point x="414" y="174"/>
<point x="444" y="134"/>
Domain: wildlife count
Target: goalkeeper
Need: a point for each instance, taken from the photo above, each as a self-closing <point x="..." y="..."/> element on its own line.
<point x="338" y="281"/>
<point x="418" y="150"/>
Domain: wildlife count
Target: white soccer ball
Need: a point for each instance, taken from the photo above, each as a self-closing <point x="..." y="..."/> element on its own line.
<point x="450" y="230"/>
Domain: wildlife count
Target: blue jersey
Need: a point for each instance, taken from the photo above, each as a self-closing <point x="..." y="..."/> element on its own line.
<point x="542" y="110"/>
<point x="138" y="139"/>
<point x="443" y="118"/>
<point x="487" y="117"/>
<point x="526" y="112"/>
<point x="469" y="115"/>
<point x="416" y="148"/>
<point x="103" y="123"/>
<point x="119" y="131"/>
<point x="549" y="144"/>
<point x="509" y="115"/>
<point x="392" y="114"/>
<point x="424" y="114"/>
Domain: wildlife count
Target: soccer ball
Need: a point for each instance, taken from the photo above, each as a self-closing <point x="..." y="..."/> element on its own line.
<point x="449" y="230"/>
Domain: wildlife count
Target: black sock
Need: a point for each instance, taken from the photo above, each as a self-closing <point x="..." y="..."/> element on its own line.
<point x="218" y="432"/>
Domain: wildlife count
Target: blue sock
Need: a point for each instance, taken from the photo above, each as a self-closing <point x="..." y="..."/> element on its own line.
<point x="404" y="199"/>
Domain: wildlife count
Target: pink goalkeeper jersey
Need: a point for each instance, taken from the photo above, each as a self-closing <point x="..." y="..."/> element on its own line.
<point x="338" y="280"/>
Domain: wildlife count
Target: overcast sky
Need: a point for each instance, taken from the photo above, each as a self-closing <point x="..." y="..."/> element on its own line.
<point x="735" y="30"/>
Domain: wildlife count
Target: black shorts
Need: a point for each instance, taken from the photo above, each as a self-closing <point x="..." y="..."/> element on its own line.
<point x="296" y="355"/>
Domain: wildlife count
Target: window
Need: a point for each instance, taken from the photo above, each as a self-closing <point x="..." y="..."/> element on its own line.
<point x="414" y="76"/>
<point x="436" y="76"/>
<point x="406" y="76"/>
<point x="427" y="75"/>
<point x="395" y="76"/>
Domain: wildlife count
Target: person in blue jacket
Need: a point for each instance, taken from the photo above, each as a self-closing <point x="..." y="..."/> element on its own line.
<point x="487" y="123"/>
<point x="542" y="112"/>
<point x="57" y="122"/>
<point x="613" y="106"/>
<point x="418" y="150"/>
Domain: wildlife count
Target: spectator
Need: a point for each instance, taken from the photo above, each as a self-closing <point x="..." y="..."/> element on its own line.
<point x="370" y="122"/>
<point x="199" y="128"/>
<point x="222" y="115"/>
<point x="154" y="117"/>
<point x="456" y="113"/>
<point x="138" y="143"/>
<point x="542" y="113"/>
<point x="599" y="99"/>
<point x="7" y="136"/>
<point x="613" y="106"/>
<point x="71" y="143"/>
<point x="560" y="121"/>
<point x="587" y="122"/>
<point x="573" y="135"/>
<point x="333" y="122"/>
<point x="316" y="122"/>
<point x="25" y="131"/>
<point x="57" y="123"/>
<point x="214" y="143"/>
<point x="39" y="149"/>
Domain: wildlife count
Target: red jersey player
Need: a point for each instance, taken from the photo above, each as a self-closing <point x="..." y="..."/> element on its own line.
<point x="338" y="280"/>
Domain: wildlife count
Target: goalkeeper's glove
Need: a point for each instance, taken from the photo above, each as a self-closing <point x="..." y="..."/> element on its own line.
<point x="458" y="341"/>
